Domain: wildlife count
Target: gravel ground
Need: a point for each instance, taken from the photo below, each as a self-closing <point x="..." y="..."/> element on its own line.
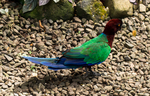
<point x="125" y="72"/>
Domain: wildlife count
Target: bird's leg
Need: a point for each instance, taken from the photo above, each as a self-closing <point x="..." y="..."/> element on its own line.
<point x="89" y="72"/>
<point x="93" y="73"/>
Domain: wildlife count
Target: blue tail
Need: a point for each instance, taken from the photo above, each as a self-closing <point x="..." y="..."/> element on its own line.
<point x="59" y="63"/>
<point x="52" y="63"/>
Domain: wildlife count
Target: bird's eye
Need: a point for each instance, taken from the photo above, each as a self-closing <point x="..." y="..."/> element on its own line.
<point x="118" y="25"/>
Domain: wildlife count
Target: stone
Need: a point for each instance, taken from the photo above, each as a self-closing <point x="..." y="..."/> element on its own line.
<point x="18" y="27"/>
<point x="8" y="58"/>
<point x="141" y="17"/>
<point x="130" y="28"/>
<point x="121" y="94"/>
<point x="96" y="88"/>
<point x="89" y="26"/>
<point x="55" y="11"/>
<point x="80" y="29"/>
<point x="141" y="94"/>
<point x="146" y="94"/>
<point x="143" y="89"/>
<point x="71" y="93"/>
<point x="49" y="43"/>
<point x="129" y="45"/>
<point x="16" y="32"/>
<point x="142" y="8"/>
<point x="48" y="37"/>
<point x="1" y="26"/>
<point x="4" y="86"/>
<point x="108" y="88"/>
<point x="76" y="19"/>
<point x="148" y="6"/>
<point x="88" y="30"/>
<point x="50" y="21"/>
<point x="99" y="30"/>
<point x="74" y="43"/>
<point x="90" y="9"/>
<point x="148" y="28"/>
<point x="119" y="8"/>
<point x="40" y="46"/>
<point x="127" y="58"/>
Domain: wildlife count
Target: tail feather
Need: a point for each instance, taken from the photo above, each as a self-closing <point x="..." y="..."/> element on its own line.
<point x="59" y="63"/>
<point x="39" y="60"/>
<point x="52" y="63"/>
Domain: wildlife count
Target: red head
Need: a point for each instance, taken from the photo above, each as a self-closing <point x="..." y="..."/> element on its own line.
<point x="112" y="26"/>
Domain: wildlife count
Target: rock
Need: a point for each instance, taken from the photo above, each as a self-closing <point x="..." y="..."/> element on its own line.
<point x="16" y="32"/>
<point x="146" y="94"/>
<point x="83" y="20"/>
<point x="89" y="26"/>
<point x="74" y="43"/>
<point x="101" y="95"/>
<point x="143" y="89"/>
<point x="148" y="6"/>
<point x="141" y="94"/>
<point x="129" y="45"/>
<point x="49" y="43"/>
<point x="1" y="26"/>
<point x="108" y="88"/>
<point x="86" y="93"/>
<point x="71" y="93"/>
<point x="80" y="29"/>
<point x="119" y="78"/>
<point x="142" y="8"/>
<point x="18" y="27"/>
<point x="6" y="68"/>
<point x="96" y="88"/>
<point x="124" y="25"/>
<point x="141" y="17"/>
<point x="121" y="94"/>
<point x="148" y="28"/>
<point x="88" y="30"/>
<point x="93" y="34"/>
<point x="40" y="46"/>
<point x="4" y="86"/>
<point x="90" y="9"/>
<point x="127" y="58"/>
<point x="76" y="19"/>
<point x="50" y="21"/>
<point x="1" y="75"/>
<point x="119" y="8"/>
<point x="130" y="28"/>
<point x="55" y="11"/>
<point x="9" y="84"/>
<point x="8" y="58"/>
<point x="48" y="37"/>
<point x="99" y="30"/>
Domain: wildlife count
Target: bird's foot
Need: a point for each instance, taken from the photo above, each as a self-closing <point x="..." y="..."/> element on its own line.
<point x="91" y="73"/>
<point x="95" y="73"/>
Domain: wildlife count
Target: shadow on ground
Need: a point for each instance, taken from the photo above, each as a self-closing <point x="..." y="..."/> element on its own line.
<point x="53" y="81"/>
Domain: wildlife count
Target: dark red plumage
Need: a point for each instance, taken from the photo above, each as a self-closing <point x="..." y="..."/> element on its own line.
<point x="116" y="25"/>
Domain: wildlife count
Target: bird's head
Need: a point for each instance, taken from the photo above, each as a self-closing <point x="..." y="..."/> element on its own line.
<point x="112" y="26"/>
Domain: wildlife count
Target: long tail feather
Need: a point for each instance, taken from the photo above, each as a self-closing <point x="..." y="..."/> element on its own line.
<point x="52" y="63"/>
<point x="39" y="60"/>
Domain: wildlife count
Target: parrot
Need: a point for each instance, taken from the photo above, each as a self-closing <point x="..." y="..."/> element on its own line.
<point x="92" y="52"/>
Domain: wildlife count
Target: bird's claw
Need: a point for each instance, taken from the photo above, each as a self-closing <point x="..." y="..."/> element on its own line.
<point x="91" y="73"/>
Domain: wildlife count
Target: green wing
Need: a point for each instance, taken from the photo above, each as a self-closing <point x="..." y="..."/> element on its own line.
<point x="96" y="52"/>
<point x="93" y="51"/>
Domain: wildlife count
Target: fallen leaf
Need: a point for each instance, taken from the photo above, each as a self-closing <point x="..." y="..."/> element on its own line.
<point x="134" y="32"/>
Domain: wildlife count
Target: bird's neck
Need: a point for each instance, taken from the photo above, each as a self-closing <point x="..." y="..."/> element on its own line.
<point x="110" y="39"/>
<point x="110" y="35"/>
